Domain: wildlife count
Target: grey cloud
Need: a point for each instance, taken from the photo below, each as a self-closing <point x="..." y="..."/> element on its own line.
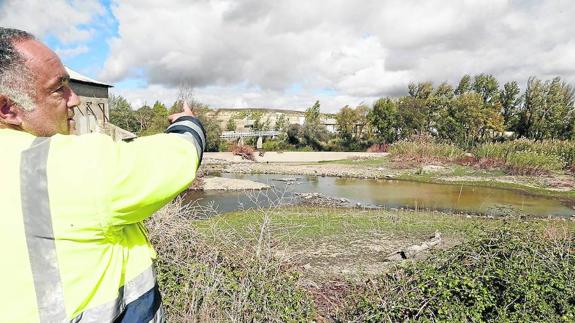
<point x="58" y="17"/>
<point x="361" y="49"/>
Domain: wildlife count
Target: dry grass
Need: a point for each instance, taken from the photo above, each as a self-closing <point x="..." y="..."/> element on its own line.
<point x="424" y="150"/>
<point x="203" y="282"/>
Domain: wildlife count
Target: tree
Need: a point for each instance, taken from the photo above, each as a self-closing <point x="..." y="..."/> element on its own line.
<point x="464" y="85"/>
<point x="469" y="121"/>
<point x="487" y="86"/>
<point x="510" y="102"/>
<point x="346" y="119"/>
<point x="158" y="121"/>
<point x="258" y="123"/>
<point x="313" y="115"/>
<point x="144" y="116"/>
<point x="294" y="134"/>
<point x="412" y="117"/>
<point x="421" y="90"/>
<point x="281" y="123"/>
<point x="231" y="124"/>
<point x="314" y="133"/>
<point x="363" y="130"/>
<point x="121" y="114"/>
<point x="383" y="118"/>
<point x="532" y="110"/>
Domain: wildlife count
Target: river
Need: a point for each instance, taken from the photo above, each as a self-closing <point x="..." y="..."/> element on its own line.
<point x="392" y="194"/>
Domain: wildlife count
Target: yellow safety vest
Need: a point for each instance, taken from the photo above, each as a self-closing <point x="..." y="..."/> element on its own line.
<point x="73" y="245"/>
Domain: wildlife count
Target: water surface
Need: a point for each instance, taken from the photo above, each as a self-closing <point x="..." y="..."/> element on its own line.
<point x="390" y="194"/>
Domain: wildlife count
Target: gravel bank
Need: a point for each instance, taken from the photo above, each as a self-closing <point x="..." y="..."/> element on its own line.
<point x="230" y="184"/>
<point x="314" y="170"/>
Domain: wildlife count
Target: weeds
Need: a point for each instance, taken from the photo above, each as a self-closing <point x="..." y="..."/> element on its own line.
<point x="424" y="149"/>
<point x="526" y="157"/>
<point x="230" y="270"/>
<point x="201" y="282"/>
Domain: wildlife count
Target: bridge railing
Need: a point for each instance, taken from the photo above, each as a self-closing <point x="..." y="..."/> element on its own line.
<point x="246" y="134"/>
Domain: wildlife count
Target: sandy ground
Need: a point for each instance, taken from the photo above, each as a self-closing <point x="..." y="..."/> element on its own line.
<point x="295" y="157"/>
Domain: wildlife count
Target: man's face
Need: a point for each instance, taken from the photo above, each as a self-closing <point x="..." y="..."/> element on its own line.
<point x="54" y="99"/>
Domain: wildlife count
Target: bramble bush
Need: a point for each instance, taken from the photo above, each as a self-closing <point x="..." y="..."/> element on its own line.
<point x="500" y="276"/>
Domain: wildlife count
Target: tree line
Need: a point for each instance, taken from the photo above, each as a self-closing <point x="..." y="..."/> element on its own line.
<point x="474" y="111"/>
<point x="152" y="120"/>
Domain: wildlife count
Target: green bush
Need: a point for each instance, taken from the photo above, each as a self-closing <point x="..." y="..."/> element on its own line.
<point x="274" y="145"/>
<point x="501" y="276"/>
<point x="224" y="146"/>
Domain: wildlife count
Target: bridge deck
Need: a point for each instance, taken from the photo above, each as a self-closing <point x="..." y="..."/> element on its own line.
<point x="246" y="134"/>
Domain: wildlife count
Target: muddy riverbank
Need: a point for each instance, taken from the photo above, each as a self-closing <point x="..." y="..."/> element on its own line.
<point x="381" y="168"/>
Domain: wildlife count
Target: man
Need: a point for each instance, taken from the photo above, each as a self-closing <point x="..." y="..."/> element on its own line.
<point x="71" y="207"/>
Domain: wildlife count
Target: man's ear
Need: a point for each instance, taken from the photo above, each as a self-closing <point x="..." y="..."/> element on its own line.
<point x="10" y="114"/>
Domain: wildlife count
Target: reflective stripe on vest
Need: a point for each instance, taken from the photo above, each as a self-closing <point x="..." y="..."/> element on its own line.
<point x="128" y="293"/>
<point x="39" y="232"/>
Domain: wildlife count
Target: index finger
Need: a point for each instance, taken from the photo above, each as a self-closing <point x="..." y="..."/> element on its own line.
<point x="187" y="107"/>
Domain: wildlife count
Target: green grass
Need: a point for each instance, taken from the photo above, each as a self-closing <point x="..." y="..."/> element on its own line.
<point x="301" y="224"/>
<point x="459" y="170"/>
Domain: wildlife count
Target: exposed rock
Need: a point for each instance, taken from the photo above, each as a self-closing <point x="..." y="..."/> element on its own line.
<point x="231" y="184"/>
<point x="412" y="251"/>
<point x="287" y="179"/>
<point x="317" y="199"/>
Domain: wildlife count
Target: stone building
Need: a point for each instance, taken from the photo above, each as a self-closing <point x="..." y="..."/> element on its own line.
<point x="93" y="113"/>
<point x="244" y="119"/>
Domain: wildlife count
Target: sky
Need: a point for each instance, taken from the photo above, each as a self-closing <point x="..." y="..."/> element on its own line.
<point x="288" y="54"/>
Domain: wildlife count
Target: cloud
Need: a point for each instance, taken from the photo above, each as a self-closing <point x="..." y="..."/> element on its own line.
<point x="290" y="53"/>
<point x="72" y="51"/>
<point x="61" y="18"/>
<point x="358" y="50"/>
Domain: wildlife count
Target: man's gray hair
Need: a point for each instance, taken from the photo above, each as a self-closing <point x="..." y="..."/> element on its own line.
<point x="15" y="79"/>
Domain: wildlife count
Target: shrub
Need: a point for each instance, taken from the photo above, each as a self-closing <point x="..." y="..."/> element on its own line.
<point x="421" y="149"/>
<point x="500" y="276"/>
<point x="378" y="148"/>
<point x="274" y="145"/>
<point x="201" y="282"/>
<point x="244" y="151"/>
<point x="224" y="146"/>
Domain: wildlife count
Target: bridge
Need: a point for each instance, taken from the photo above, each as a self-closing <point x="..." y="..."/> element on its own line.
<point x="240" y="135"/>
